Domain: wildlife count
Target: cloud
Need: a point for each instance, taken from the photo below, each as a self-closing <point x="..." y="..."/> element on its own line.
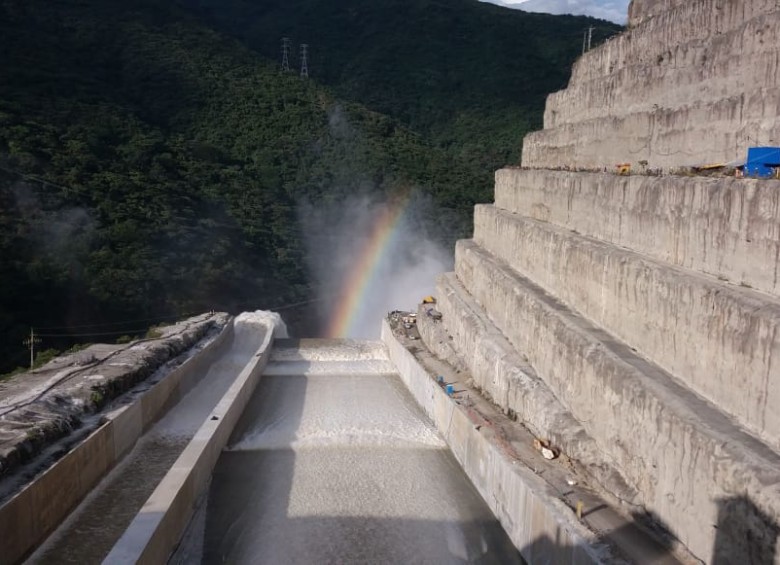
<point x="612" y="10"/>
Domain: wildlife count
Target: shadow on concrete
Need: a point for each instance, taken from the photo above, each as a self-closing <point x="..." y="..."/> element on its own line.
<point x="629" y="541"/>
<point x="745" y="534"/>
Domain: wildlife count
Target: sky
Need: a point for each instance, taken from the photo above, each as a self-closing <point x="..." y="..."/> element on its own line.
<point x="613" y="10"/>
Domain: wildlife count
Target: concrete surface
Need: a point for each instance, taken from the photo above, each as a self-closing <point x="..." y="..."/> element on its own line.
<point x="727" y="228"/>
<point x="28" y="517"/>
<point x="680" y="452"/>
<point x="689" y="83"/>
<point x="154" y="532"/>
<point x="534" y="499"/>
<point x="712" y="337"/>
<point x="334" y="464"/>
<point x="91" y="530"/>
<point x="40" y="407"/>
<point x="504" y="377"/>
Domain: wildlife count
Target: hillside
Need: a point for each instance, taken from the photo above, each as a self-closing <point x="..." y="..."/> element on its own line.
<point x="151" y="165"/>
<point x="470" y="76"/>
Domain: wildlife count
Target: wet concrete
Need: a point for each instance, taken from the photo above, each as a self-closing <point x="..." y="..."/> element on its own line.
<point x="332" y="466"/>
<point x="91" y="530"/>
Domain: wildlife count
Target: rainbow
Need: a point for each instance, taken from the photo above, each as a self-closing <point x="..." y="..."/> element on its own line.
<point x="361" y="277"/>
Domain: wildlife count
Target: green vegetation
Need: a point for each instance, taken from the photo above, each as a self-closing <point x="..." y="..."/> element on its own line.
<point x="469" y="76"/>
<point x="151" y="163"/>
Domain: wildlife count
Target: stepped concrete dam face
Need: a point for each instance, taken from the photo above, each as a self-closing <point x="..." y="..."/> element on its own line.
<point x="597" y="381"/>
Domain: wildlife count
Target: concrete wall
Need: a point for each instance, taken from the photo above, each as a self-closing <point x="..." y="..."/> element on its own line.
<point x="691" y="83"/>
<point x="714" y="338"/>
<point x="727" y="228"/>
<point x="156" y="530"/>
<point x="31" y="515"/>
<point x="504" y="377"/>
<point x="527" y="507"/>
<point x="697" y="134"/>
<point x="644" y="87"/>
<point x="680" y="452"/>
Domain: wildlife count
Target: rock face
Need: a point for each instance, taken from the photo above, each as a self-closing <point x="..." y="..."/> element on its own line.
<point x="635" y="321"/>
<point x="691" y="82"/>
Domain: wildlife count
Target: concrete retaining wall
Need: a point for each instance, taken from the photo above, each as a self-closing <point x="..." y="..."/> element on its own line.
<point x="506" y="379"/>
<point x="695" y="134"/>
<point x="700" y="72"/>
<point x="724" y="227"/>
<point x="691" y="83"/>
<point x="715" y="338"/>
<point x="680" y="452"/>
<point x="524" y="503"/>
<point x="31" y="515"/>
<point x="155" y="532"/>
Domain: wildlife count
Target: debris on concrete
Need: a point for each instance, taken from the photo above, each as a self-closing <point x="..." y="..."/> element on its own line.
<point x="543" y="446"/>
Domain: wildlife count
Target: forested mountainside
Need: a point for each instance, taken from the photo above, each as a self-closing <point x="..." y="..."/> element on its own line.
<point x="471" y="77"/>
<point x="152" y="159"/>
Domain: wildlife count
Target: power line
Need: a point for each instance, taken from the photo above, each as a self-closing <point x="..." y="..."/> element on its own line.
<point x="95" y="334"/>
<point x="109" y="324"/>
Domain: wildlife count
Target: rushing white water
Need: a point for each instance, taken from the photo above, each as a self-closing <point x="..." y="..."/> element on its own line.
<point x="334" y="467"/>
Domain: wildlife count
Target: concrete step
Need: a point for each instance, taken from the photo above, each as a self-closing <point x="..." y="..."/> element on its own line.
<point x="701" y="72"/>
<point x="724" y="227"/>
<point x="504" y="377"/>
<point x="691" y="134"/>
<point x="714" y="338"/>
<point x="687" y="22"/>
<point x="687" y="458"/>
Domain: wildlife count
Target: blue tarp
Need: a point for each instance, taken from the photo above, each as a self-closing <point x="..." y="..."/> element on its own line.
<point x="761" y="161"/>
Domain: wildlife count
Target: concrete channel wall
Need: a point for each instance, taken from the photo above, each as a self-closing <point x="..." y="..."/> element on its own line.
<point x="156" y="530"/>
<point x="524" y="503"/>
<point x="31" y="515"/>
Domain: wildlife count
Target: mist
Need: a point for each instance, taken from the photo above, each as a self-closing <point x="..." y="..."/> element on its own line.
<point x="337" y="234"/>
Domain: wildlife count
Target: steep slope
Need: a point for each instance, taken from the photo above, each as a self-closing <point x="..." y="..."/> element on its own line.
<point x="152" y="167"/>
<point x="470" y="75"/>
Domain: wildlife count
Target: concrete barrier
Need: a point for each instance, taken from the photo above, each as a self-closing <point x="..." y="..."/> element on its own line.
<point x="31" y="515"/>
<point x="155" y="532"/>
<point x="527" y="507"/>
<point x="680" y="452"/>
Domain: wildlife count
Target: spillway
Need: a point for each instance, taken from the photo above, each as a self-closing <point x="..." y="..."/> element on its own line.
<point x="333" y="461"/>
<point x="93" y="528"/>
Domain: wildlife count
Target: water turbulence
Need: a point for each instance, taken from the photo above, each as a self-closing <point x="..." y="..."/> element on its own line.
<point x="333" y="465"/>
<point x="369" y="257"/>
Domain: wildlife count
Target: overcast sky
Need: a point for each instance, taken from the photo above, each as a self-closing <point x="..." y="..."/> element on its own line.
<point x="613" y="10"/>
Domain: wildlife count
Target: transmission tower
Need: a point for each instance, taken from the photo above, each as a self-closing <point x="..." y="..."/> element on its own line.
<point x="304" y="60"/>
<point x="286" y="54"/>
